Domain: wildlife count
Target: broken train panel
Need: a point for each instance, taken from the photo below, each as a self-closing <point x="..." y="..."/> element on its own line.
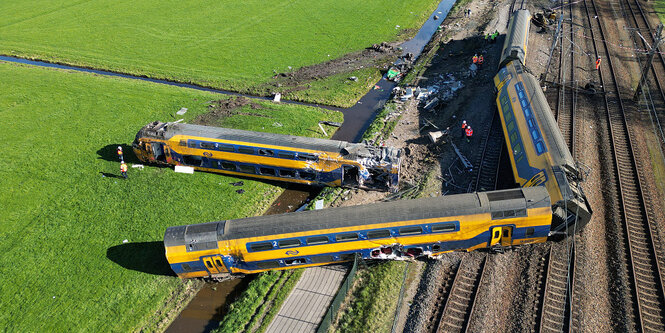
<point x="391" y="230"/>
<point x="270" y="156"/>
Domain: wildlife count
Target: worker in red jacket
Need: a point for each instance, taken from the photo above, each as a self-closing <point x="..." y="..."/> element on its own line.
<point x="123" y="169"/>
<point x="469" y="133"/>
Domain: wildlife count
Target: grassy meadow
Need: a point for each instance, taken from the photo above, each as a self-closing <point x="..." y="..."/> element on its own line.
<point x="234" y="45"/>
<point x="65" y="212"/>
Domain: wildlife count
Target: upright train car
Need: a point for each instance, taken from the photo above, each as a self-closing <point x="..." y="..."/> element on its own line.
<point x="270" y="156"/>
<point x="408" y="228"/>
<point x="537" y="150"/>
<point x="517" y="38"/>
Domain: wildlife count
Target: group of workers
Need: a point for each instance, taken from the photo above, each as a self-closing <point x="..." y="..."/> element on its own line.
<point x="123" y="165"/>
<point x="466" y="131"/>
<point x="478" y="60"/>
<point x="491" y="38"/>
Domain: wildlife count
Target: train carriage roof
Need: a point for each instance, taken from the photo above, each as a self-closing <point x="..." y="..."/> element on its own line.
<point x="168" y="130"/>
<point x="373" y="214"/>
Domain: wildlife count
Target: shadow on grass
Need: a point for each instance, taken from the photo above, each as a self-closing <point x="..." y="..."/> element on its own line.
<point x="146" y="257"/>
<point x="109" y="153"/>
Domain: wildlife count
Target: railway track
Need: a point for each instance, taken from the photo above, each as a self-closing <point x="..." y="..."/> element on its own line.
<point x="461" y="299"/>
<point x="642" y="258"/>
<point x="488" y="166"/>
<point x="567" y="95"/>
<point x="555" y="309"/>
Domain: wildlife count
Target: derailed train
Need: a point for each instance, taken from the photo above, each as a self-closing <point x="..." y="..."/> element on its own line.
<point x="538" y="153"/>
<point x="408" y="228"/>
<point x="269" y="156"/>
<point x="550" y="204"/>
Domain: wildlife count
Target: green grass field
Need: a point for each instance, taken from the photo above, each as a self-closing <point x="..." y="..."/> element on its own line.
<point x="233" y="45"/>
<point x="65" y="213"/>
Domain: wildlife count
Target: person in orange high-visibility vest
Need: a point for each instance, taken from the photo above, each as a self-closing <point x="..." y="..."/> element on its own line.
<point x="463" y="127"/>
<point x="123" y="169"/>
<point x="480" y="61"/>
<point x="598" y="63"/>
<point x="475" y="58"/>
<point x="469" y="133"/>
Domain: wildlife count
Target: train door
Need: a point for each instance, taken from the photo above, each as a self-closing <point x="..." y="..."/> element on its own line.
<point x="349" y="175"/>
<point x="158" y="152"/>
<point x="214" y="264"/>
<point x="496" y="236"/>
<point x="507" y="236"/>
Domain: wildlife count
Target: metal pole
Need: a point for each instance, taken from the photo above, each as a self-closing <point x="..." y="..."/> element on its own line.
<point x="647" y="65"/>
<point x="555" y="41"/>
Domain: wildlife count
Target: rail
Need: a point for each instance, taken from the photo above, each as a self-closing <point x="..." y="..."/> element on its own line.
<point x="488" y="167"/>
<point x="642" y="258"/>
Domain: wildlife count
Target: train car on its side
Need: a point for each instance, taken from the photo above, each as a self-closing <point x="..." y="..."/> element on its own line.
<point x="517" y="38"/>
<point x="409" y="228"/>
<point x="537" y="150"/>
<point x="270" y="156"/>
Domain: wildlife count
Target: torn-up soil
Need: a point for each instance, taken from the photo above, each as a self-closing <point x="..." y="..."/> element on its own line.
<point x="379" y="55"/>
<point x="223" y="108"/>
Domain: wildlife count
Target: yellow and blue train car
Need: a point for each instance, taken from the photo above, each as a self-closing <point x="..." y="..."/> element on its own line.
<point x="270" y="156"/>
<point x="516" y="43"/>
<point x="409" y="228"/>
<point x="538" y="153"/>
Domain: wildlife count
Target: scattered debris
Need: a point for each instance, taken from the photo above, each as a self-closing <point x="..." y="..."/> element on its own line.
<point x="125" y="241"/>
<point x="240" y="191"/>
<point x="435" y="136"/>
<point x="138" y="166"/>
<point x="240" y="183"/>
<point x="462" y="158"/>
<point x="354" y="78"/>
<point x="277" y="124"/>
<point x="184" y="169"/>
<point x="181" y="111"/>
<point x="331" y="123"/>
<point x="277" y="98"/>
<point x="408" y="93"/>
<point x="318" y="204"/>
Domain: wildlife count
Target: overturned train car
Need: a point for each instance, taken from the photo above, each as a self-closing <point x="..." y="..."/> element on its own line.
<point x="538" y="153"/>
<point x="401" y="229"/>
<point x="270" y="156"/>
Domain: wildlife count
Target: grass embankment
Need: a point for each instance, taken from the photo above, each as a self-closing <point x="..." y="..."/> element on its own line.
<point x="259" y="303"/>
<point x="374" y="299"/>
<point x="222" y="44"/>
<point x="659" y="5"/>
<point x="66" y="213"/>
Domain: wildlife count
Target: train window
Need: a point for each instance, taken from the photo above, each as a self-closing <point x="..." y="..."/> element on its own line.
<point x="527" y="112"/>
<point x="530" y="122"/>
<point x="183" y="143"/>
<point x="534" y="134"/>
<point x="224" y="147"/>
<point x="347" y="256"/>
<point x="508" y="115"/>
<point x="520" y="212"/>
<point x="296" y="261"/>
<point x="267" y="171"/>
<point x="317" y="240"/>
<point x="263" y="246"/>
<point x="307" y="175"/>
<point x="530" y="232"/>
<point x="288" y="243"/>
<point x="192" y="144"/>
<point x="540" y="148"/>
<point x="378" y="234"/>
<point x="219" y="263"/>
<point x="513" y="136"/>
<point x="287" y="173"/>
<point x="510" y="126"/>
<point x="186" y="268"/>
<point x="447" y="227"/>
<point x="267" y="264"/>
<point x="286" y="154"/>
<point x="246" y="150"/>
<point x="517" y="149"/>
<point x="411" y="230"/>
<point x="192" y="160"/>
<point x="246" y="168"/>
<point x="307" y="157"/>
<point x="436" y="248"/>
<point x="207" y="145"/>
<point x="266" y="152"/>
<point x="226" y="165"/>
<point x="321" y="259"/>
<point x="209" y="264"/>
<point x="497" y="215"/>
<point x="346" y="237"/>
<point x="508" y="213"/>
